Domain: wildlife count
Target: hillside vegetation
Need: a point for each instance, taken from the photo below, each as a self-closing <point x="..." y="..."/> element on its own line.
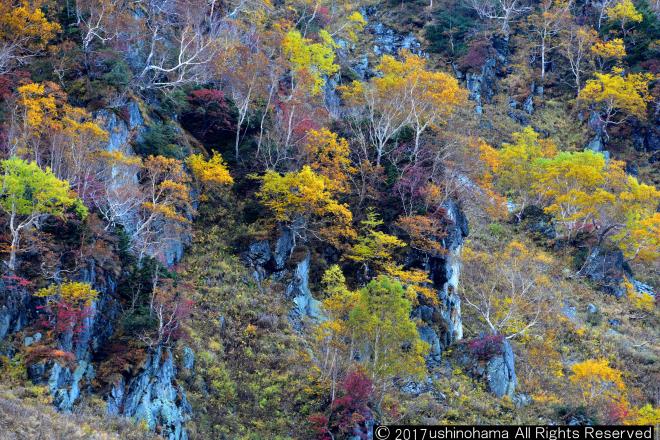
<point x="300" y="219"/>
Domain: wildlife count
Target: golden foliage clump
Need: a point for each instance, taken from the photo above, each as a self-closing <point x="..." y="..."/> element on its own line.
<point x="306" y="203"/>
<point x="46" y="110"/>
<point x="405" y="94"/>
<point x="624" y="12"/>
<point x="613" y="49"/>
<point x="597" y="380"/>
<point x="316" y="59"/>
<point x="328" y="155"/>
<point x="26" y="26"/>
<point x="617" y="95"/>
<point x="211" y="172"/>
<point x="170" y="196"/>
<point x="72" y="292"/>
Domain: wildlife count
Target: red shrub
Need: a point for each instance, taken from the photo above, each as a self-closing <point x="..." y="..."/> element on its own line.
<point x="319" y="426"/>
<point x="617" y="412"/>
<point x="209" y="117"/>
<point x="476" y="55"/>
<point x="63" y="317"/>
<point x="14" y="282"/>
<point x="486" y="347"/>
<point x="350" y="412"/>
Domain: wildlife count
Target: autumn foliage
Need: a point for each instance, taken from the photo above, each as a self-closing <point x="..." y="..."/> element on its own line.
<point x="67" y="306"/>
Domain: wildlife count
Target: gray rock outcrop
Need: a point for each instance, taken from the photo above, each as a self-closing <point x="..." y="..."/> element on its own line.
<point x="442" y="323"/>
<point x="154" y="397"/>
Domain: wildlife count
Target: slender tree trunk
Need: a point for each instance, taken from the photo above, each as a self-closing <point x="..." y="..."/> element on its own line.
<point x="14" y="248"/>
<point x="15" y="240"/>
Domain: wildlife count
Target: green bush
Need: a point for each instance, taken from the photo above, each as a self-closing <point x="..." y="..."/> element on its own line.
<point x="448" y="35"/>
<point x="160" y="139"/>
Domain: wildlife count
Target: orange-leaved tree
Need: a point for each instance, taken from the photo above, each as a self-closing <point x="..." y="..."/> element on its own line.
<point x="24" y="32"/>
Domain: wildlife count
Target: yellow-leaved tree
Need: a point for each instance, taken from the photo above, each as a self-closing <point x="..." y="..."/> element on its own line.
<point x="636" y="221"/>
<point x="155" y="211"/>
<point x="58" y="135"/>
<point x="334" y="335"/>
<point x="405" y="93"/>
<point x="584" y="192"/>
<point x="212" y="173"/>
<point x="624" y="12"/>
<point x="617" y="96"/>
<point x="516" y="167"/>
<point x="310" y="61"/>
<point x="646" y="415"/>
<point x="374" y="251"/>
<point x="373" y="327"/>
<point x="608" y="51"/>
<point x="597" y="382"/>
<point x="304" y="202"/>
<point x="163" y="215"/>
<point x="328" y="155"/>
<point x="24" y="32"/>
<point x="575" y="187"/>
<point x="509" y="289"/>
<point x="73" y="292"/>
<point x="27" y="194"/>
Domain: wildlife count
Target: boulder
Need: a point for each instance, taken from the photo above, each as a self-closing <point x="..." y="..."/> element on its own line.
<point x="188" y="358"/>
<point x="569" y="312"/>
<point x="491" y="360"/>
<point x="29" y="340"/>
<point x="537" y="222"/>
<point x="595" y="144"/>
<point x="283" y="248"/>
<point x="501" y="372"/>
<point x="643" y="288"/>
<point x="607" y="269"/>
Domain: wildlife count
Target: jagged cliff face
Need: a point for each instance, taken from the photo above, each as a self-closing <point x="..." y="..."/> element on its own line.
<point x="16" y="309"/>
<point x="152" y="395"/>
<point x="442" y="323"/>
